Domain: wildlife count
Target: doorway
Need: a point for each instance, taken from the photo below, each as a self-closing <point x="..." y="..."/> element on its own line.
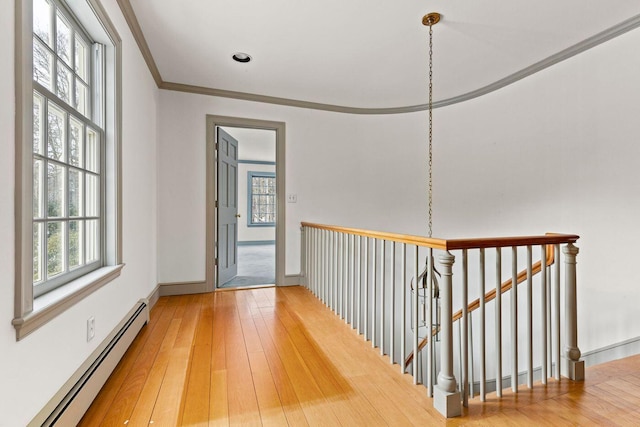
<point x="245" y="202"/>
<point x="246" y="207"/>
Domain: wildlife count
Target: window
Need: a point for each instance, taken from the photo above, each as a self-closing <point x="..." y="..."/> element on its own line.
<point x="262" y="199"/>
<point x="68" y="148"/>
<point x="68" y="112"/>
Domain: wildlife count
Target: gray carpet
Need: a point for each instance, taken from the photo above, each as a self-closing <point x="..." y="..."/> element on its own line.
<point x="256" y="266"/>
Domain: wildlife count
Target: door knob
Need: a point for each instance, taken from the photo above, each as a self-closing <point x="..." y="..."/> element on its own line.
<point x="238" y="215"/>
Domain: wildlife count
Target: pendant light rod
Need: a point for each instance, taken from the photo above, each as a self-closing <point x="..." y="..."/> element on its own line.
<point x="430" y="20"/>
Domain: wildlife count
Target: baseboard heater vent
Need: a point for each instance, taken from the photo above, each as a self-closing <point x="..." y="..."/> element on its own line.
<point x="73" y="405"/>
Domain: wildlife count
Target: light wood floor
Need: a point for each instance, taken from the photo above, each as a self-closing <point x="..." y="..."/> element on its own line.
<point x="280" y="357"/>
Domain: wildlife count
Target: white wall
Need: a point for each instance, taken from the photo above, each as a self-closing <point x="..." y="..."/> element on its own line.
<point x="32" y="370"/>
<point x="335" y="164"/>
<point x="557" y="151"/>
<point x="554" y="152"/>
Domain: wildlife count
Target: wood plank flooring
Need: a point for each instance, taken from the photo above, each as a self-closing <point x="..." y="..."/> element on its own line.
<point x="278" y="356"/>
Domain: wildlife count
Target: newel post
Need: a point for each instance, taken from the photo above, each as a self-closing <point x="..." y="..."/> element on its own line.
<point x="445" y="397"/>
<point x="575" y="366"/>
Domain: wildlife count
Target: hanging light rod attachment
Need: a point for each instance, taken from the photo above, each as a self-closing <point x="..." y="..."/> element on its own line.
<point x="431" y="19"/>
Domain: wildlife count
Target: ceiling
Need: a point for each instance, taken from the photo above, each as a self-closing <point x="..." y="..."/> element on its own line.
<point x="364" y="53"/>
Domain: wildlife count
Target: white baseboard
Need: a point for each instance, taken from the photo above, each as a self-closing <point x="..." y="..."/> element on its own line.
<point x="612" y="352"/>
<point x="293" y="280"/>
<point x="182" y="288"/>
<point x="70" y="403"/>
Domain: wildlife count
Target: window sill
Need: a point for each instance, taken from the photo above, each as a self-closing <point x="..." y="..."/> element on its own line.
<point x="46" y="307"/>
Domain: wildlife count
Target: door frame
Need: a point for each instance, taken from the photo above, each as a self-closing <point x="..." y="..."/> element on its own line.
<point x="214" y="121"/>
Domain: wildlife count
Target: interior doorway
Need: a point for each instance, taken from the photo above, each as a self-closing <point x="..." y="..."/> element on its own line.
<point x="245" y="202"/>
<point x="246" y="206"/>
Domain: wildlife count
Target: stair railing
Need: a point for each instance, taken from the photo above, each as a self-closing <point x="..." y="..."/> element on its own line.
<point x="364" y="276"/>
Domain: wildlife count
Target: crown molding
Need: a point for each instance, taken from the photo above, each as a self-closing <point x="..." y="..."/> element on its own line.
<point x="593" y="41"/>
<point x="134" y="26"/>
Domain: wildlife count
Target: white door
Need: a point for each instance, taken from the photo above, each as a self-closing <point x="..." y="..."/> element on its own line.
<point x="227" y="207"/>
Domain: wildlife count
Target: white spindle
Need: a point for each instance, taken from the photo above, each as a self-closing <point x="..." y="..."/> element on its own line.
<point x="431" y="319"/>
<point x="556" y="291"/>
<point x="365" y="281"/>
<point x="482" y="315"/>
<point x="529" y="317"/>
<point x="324" y="265"/>
<point x="543" y="314"/>
<point x="498" y="317"/>
<point x="403" y="307"/>
<point x="352" y="263"/>
<point x="345" y="276"/>
<point x="514" y="319"/>
<point x="464" y="341"/>
<point x="359" y="282"/>
<point x="383" y="262"/>
<point x="416" y="325"/>
<point x="337" y="249"/>
<point x="392" y="315"/>
<point x="471" y="371"/>
<point x="374" y="291"/>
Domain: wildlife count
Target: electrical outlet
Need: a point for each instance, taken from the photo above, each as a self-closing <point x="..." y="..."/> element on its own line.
<point x="292" y="198"/>
<point x="91" y="328"/>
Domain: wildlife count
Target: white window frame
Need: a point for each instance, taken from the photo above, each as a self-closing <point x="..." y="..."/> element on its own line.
<point x="250" y="176"/>
<point x="33" y="310"/>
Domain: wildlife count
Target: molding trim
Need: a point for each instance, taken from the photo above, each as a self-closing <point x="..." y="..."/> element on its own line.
<point x="153" y="297"/>
<point x="293" y="280"/>
<point x="63" y="298"/>
<point x="256" y="242"/>
<point x="256" y="162"/>
<point x="593" y="41"/>
<point x="182" y="288"/>
<point x="611" y="352"/>
<point x="134" y="26"/>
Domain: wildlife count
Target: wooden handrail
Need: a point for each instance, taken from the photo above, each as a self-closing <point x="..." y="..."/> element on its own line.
<point x="453" y="244"/>
<point x="491" y="295"/>
<point x="393" y="237"/>
<point x="549" y="239"/>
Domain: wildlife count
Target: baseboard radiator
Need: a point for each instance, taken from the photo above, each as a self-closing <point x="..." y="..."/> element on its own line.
<point x="84" y="386"/>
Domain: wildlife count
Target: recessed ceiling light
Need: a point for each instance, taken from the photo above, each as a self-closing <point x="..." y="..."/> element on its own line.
<point x="241" y="57"/>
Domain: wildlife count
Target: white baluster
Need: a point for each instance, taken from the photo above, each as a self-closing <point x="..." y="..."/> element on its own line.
<point x="431" y="319"/>
<point x="403" y="307"/>
<point x="337" y="286"/>
<point x="374" y="291"/>
<point x="392" y="316"/>
<point x="575" y="366"/>
<point x="543" y="314"/>
<point x="482" y="314"/>
<point x="556" y="304"/>
<point x="359" y="282"/>
<point x="446" y="399"/>
<point x="498" y="325"/>
<point x="352" y="269"/>
<point x="325" y="265"/>
<point x="464" y="341"/>
<point x="529" y="317"/>
<point x="514" y="319"/>
<point x="383" y="262"/>
<point x="416" y="325"/>
<point x="471" y="372"/>
<point x="345" y="276"/>
<point x="365" y="280"/>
